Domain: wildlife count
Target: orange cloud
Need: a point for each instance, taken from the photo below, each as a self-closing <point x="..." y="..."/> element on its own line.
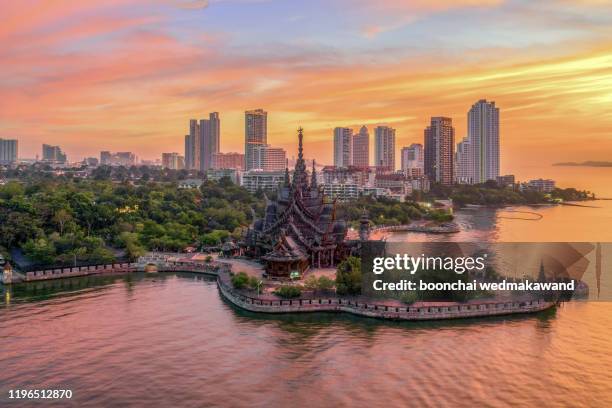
<point x="138" y="91"/>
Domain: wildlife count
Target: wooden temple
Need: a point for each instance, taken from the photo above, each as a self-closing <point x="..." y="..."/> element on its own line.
<point x="299" y="228"/>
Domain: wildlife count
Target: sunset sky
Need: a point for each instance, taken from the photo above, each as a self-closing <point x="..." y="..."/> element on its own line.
<point x="129" y="74"/>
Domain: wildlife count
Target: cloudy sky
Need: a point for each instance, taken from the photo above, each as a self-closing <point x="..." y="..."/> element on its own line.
<point x="129" y="74"/>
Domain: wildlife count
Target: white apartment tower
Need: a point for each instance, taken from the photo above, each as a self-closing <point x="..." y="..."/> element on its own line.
<point x="343" y="147"/>
<point x="255" y="134"/>
<point x="8" y="151"/>
<point x="413" y="160"/>
<point x="384" y="148"/>
<point x="464" y="162"/>
<point x="483" y="136"/>
<point x="209" y="140"/>
<point x="361" y="148"/>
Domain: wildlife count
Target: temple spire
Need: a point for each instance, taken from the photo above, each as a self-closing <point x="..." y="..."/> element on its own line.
<point x="287" y="179"/>
<point x="313" y="177"/>
<point x="300" y="178"/>
<point x="300" y="144"/>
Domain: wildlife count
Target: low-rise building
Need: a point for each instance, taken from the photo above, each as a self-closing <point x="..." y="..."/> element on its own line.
<point x="218" y="174"/>
<point x="125" y="159"/>
<point x="542" y="185"/>
<point x="375" y="191"/>
<point x="343" y="191"/>
<point x="506" y="181"/>
<point x="190" y="183"/>
<point x="357" y="175"/>
<point x="254" y="180"/>
<point x="396" y="182"/>
<point x="173" y="161"/>
<point x="228" y="161"/>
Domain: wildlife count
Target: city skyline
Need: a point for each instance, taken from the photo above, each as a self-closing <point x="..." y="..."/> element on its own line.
<point x="145" y="74"/>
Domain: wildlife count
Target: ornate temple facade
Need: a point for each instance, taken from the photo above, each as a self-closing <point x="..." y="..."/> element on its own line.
<point x="299" y="228"/>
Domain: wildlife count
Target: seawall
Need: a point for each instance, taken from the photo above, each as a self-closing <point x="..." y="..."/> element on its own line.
<point x="371" y="309"/>
<point x="324" y="304"/>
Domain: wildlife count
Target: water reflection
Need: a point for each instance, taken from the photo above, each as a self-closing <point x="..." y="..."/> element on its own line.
<point x="169" y="339"/>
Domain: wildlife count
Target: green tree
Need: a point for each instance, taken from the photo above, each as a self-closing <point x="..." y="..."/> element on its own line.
<point x="348" y="276"/>
<point x="288" y="291"/>
<point x="240" y="280"/>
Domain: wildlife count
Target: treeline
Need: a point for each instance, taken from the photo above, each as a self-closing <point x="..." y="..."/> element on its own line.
<point x="42" y="171"/>
<point x="491" y="193"/>
<point x="59" y="221"/>
<point x="381" y="211"/>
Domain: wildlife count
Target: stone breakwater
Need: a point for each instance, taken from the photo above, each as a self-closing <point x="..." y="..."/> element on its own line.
<point x="371" y="309"/>
<point x="325" y="304"/>
<point x="110" y="269"/>
<point x="445" y="228"/>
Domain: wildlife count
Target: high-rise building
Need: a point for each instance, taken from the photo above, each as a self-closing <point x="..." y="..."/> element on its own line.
<point x="204" y="143"/>
<point x="192" y="146"/>
<point x="268" y="158"/>
<point x="343" y="147"/>
<point x="53" y="154"/>
<point x="173" y="161"/>
<point x="255" y="134"/>
<point x="384" y="148"/>
<point x="215" y="135"/>
<point x="209" y="139"/>
<point x="361" y="148"/>
<point x="464" y="162"/>
<point x="439" y="150"/>
<point x="8" y="151"/>
<point x="413" y="160"/>
<point x="192" y="156"/>
<point x="483" y="135"/>
<point x="189" y="146"/>
<point x="228" y="161"/>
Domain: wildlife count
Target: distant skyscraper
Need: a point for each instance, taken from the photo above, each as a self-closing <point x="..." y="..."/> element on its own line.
<point x="439" y="150"/>
<point x="8" y="151"/>
<point x="204" y="141"/>
<point x="209" y="139"/>
<point x="384" y="148"/>
<point x="483" y="135"/>
<point x="53" y="154"/>
<point x="194" y="143"/>
<point x="189" y="153"/>
<point x="215" y="135"/>
<point x="343" y="147"/>
<point x="464" y="162"/>
<point x="255" y="134"/>
<point x="413" y="160"/>
<point x="361" y="148"/>
<point x="192" y="146"/>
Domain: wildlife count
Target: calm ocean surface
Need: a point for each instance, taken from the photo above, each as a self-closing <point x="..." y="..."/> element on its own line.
<point x="170" y="340"/>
